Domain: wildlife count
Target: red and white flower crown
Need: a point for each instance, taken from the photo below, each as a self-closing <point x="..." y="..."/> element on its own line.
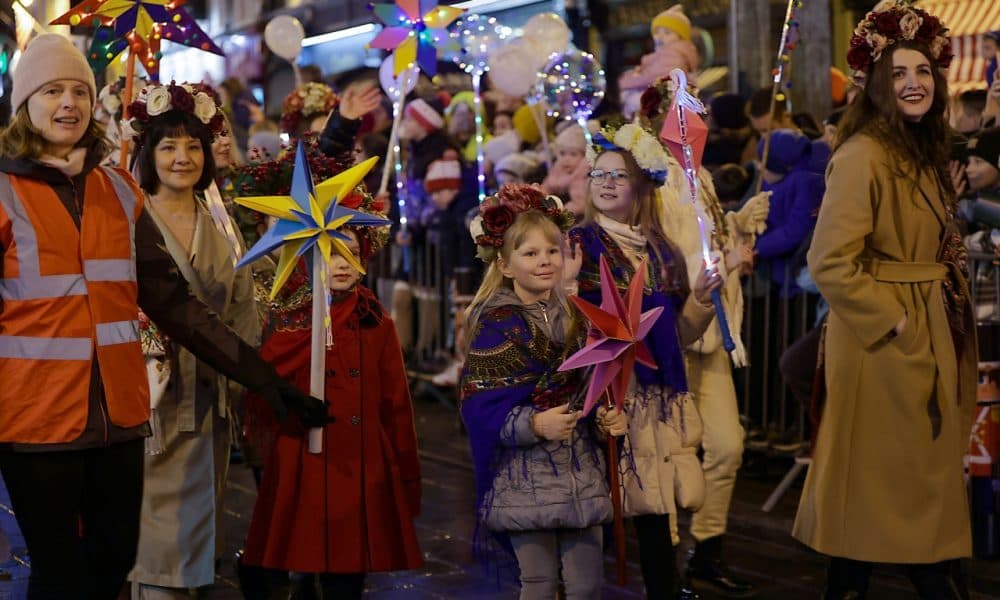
<point x="499" y="211"/>
<point x="893" y="21"/>
<point x="156" y="99"/>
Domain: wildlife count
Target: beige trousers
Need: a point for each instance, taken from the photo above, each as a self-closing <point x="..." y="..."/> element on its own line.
<point x="710" y="380"/>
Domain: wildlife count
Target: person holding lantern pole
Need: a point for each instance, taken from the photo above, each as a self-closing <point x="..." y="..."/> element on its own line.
<point x="622" y="223"/>
<point x="886" y="483"/>
<point x="80" y="255"/>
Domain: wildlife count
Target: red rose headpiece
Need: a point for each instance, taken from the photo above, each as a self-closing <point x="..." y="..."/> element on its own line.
<point x="892" y="22"/>
<point x="498" y="212"/>
<point x="156" y="99"/>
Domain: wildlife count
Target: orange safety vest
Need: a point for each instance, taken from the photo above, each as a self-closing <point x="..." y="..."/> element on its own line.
<point x="67" y="291"/>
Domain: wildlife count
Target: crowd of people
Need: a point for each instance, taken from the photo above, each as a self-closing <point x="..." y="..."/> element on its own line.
<point x="136" y="355"/>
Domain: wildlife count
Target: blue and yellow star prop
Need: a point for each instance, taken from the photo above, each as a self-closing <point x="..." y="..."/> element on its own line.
<point x="415" y="30"/>
<point x="309" y="218"/>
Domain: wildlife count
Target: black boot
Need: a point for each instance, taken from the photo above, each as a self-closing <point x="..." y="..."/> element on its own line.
<point x="705" y="566"/>
<point x="259" y="583"/>
<point x="939" y="581"/>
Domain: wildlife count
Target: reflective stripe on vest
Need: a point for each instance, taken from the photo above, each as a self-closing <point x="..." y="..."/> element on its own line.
<point x="119" y="332"/>
<point x="36" y="348"/>
<point x="30" y="283"/>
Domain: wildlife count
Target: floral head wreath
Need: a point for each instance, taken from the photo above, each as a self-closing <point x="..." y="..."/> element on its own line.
<point x="657" y="98"/>
<point x="894" y="21"/>
<point x="156" y="99"/>
<point x="498" y="212"/>
<point x="305" y="102"/>
<point x="370" y="239"/>
<point x="647" y="151"/>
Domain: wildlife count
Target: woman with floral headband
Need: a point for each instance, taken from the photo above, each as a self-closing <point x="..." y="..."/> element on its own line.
<point x="886" y="483"/>
<point x="180" y="536"/>
<point x="540" y="471"/>
<point x="306" y="108"/>
<point x="622" y="222"/>
<point x="79" y="256"/>
<point x="332" y="518"/>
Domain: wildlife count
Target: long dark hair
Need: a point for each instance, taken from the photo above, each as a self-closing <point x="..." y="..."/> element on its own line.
<point x="924" y="144"/>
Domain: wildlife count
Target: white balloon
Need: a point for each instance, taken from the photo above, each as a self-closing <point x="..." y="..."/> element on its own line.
<point x="514" y="67"/>
<point x="284" y="35"/>
<point x="391" y="83"/>
<point x="547" y="32"/>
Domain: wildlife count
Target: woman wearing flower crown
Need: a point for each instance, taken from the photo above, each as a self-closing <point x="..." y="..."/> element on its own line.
<point x="332" y="518"/>
<point x="180" y="535"/>
<point x="886" y="483"/>
<point x="622" y="222"/>
<point x="540" y="471"/>
<point x="306" y="108"/>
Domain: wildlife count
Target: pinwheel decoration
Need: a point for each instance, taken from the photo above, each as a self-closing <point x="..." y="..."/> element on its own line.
<point x="415" y="30"/>
<point x="685" y="135"/>
<point x="309" y="219"/>
<point x="615" y="341"/>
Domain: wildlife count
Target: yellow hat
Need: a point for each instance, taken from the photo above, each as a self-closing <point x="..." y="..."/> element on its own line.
<point x="526" y="124"/>
<point x="675" y="20"/>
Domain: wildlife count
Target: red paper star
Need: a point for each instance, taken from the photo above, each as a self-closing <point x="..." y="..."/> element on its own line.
<point x="615" y="341"/>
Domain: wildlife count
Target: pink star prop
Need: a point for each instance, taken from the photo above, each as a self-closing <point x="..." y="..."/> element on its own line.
<point x="615" y="341"/>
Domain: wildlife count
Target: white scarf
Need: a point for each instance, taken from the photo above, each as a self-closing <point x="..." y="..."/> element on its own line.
<point x="629" y="237"/>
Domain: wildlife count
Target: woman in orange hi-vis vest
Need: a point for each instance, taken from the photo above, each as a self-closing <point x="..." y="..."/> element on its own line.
<point x="79" y="258"/>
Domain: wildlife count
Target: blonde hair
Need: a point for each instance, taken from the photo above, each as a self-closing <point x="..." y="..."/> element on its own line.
<point x="22" y="140"/>
<point x="494" y="279"/>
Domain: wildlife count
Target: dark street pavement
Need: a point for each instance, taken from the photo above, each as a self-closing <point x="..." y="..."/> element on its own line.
<point x="758" y="547"/>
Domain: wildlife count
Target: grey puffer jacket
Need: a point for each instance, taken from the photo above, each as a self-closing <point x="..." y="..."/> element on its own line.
<point x="535" y="483"/>
<point x="543" y="484"/>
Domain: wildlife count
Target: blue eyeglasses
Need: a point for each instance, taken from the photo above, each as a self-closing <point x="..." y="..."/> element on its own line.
<point x="619" y="176"/>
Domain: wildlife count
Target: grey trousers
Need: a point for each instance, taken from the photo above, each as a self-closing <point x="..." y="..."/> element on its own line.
<point x="579" y="553"/>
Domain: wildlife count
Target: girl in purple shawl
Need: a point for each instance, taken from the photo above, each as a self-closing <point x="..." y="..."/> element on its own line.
<point x="658" y="464"/>
<point x="540" y="472"/>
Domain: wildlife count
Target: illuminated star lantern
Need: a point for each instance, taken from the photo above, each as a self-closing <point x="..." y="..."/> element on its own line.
<point x="414" y="31"/>
<point x="309" y="218"/>
<point x="138" y="26"/>
<point x="615" y="341"/>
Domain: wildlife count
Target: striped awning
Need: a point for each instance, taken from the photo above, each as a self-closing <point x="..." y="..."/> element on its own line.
<point x="966" y="20"/>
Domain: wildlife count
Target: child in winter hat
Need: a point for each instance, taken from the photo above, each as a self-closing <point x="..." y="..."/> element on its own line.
<point x="443" y="180"/>
<point x="789" y="148"/>
<point x="519" y="167"/>
<point x="671" y="31"/>
<point x="419" y="119"/>
<point x="568" y="176"/>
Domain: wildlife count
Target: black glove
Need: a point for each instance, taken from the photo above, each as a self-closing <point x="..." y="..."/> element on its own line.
<point x="284" y="397"/>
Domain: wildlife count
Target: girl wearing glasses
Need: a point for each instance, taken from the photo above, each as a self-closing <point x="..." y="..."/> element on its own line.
<point x="658" y="461"/>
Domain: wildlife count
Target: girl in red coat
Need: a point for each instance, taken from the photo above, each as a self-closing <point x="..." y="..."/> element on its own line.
<point x="330" y="518"/>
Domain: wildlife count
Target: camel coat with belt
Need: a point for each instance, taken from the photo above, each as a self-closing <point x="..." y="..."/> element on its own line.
<point x="886" y="482"/>
<point x="180" y="530"/>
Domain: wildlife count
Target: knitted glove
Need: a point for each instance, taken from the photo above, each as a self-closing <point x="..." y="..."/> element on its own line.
<point x="284" y="397"/>
<point x="751" y="219"/>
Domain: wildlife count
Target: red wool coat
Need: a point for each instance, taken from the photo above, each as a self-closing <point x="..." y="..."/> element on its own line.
<point x="351" y="508"/>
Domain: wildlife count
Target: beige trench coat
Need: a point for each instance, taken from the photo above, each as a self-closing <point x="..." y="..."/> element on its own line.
<point x="180" y="535"/>
<point x="886" y="483"/>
